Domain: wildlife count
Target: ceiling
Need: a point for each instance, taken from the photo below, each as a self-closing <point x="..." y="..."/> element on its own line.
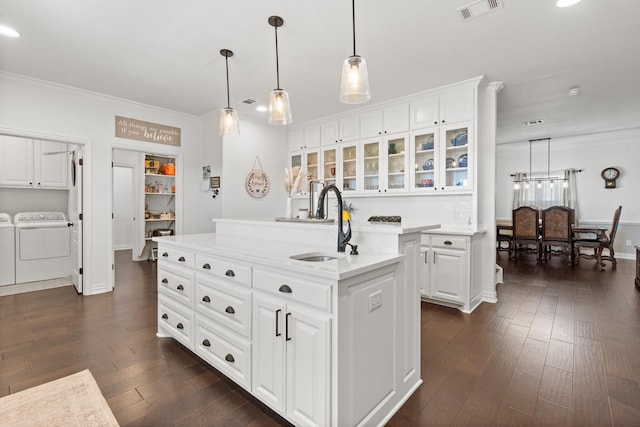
<point x="166" y="53"/>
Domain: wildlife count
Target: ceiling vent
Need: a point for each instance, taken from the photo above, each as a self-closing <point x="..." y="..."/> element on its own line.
<point x="249" y="101"/>
<point x="533" y="122"/>
<point x="477" y="8"/>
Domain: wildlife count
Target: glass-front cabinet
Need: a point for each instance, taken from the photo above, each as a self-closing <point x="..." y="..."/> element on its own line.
<point x="384" y="164"/>
<point x="441" y="158"/>
<point x="349" y="168"/>
<point x="329" y="164"/>
<point x="313" y="164"/>
<point x="309" y="161"/>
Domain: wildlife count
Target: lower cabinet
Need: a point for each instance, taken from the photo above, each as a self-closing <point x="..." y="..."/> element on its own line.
<point x="291" y="361"/>
<point x="447" y="271"/>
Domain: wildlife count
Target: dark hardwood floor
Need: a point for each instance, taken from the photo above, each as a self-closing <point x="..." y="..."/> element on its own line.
<point x="561" y="347"/>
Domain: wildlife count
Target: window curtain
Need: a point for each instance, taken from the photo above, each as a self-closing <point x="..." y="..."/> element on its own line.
<point x="542" y="190"/>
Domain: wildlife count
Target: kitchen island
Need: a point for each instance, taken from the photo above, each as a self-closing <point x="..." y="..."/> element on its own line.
<point x="329" y="343"/>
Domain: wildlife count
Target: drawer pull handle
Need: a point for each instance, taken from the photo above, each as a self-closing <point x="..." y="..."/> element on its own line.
<point x="230" y="310"/>
<point x="164" y="254"/>
<point x="206" y="266"/>
<point x="179" y="326"/>
<point x="180" y="288"/>
<point x="285" y="289"/>
<point x="165" y="281"/>
<point x="229" y="358"/>
<point x="181" y="259"/>
<point x="206" y="298"/>
<point x="230" y="273"/>
<point x="206" y="343"/>
<point x="278" y="333"/>
<point x="448" y="242"/>
<point x="165" y="316"/>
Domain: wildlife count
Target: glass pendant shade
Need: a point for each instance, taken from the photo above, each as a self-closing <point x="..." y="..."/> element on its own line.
<point x="279" y="107"/>
<point x="354" y="88"/>
<point x="229" y="122"/>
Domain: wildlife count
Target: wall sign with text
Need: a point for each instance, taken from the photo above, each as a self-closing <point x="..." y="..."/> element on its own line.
<point x="147" y="131"/>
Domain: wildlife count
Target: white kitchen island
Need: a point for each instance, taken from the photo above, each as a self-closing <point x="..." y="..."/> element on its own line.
<point x="331" y="343"/>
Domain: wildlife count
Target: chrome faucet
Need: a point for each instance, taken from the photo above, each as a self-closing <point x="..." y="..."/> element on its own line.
<point x="343" y="237"/>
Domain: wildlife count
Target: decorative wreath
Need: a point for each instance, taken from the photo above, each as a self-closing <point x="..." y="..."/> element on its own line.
<point x="257" y="183"/>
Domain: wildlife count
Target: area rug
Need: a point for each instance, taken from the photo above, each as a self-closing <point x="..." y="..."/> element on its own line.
<point x="74" y="400"/>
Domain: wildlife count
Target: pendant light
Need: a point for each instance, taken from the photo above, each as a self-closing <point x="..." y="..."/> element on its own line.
<point x="279" y="108"/>
<point x="354" y="88"/>
<point x="228" y="116"/>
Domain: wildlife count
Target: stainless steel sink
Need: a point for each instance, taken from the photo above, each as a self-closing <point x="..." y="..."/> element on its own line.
<point x="314" y="257"/>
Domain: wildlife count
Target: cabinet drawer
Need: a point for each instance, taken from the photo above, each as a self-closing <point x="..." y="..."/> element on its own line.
<point x="293" y="288"/>
<point x="452" y="242"/>
<point x="227" y="353"/>
<point x="181" y="257"/>
<point x="222" y="267"/>
<point x="227" y="304"/>
<point x="175" y="321"/>
<point x="176" y="282"/>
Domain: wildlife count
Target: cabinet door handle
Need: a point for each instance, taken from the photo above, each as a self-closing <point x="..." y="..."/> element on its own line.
<point x="229" y="358"/>
<point x="165" y="316"/>
<point x="448" y="242"/>
<point x="285" y="289"/>
<point x="179" y="326"/>
<point x="277" y="317"/>
<point x="165" y="281"/>
<point x="286" y="326"/>
<point x="165" y="254"/>
<point x="206" y="298"/>
<point x="180" y="288"/>
<point x="442" y="121"/>
<point x="206" y="266"/>
<point x="230" y="310"/>
<point x="181" y="259"/>
<point x="206" y="343"/>
<point x="426" y="260"/>
<point x="434" y="257"/>
<point x="230" y="273"/>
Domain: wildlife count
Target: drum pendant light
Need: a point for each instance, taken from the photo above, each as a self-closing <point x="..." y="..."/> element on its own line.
<point x="279" y="108"/>
<point x="228" y="116"/>
<point x="354" y="88"/>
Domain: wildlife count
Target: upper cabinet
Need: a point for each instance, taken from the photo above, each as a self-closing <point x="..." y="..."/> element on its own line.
<point x="390" y="120"/>
<point x="33" y="164"/>
<point x="452" y="106"/>
<point x="343" y="130"/>
<point x="301" y="138"/>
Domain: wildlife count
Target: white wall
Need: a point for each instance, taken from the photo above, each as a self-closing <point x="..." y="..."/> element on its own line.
<point x="123" y="208"/>
<point x="591" y="153"/>
<point x="269" y="143"/>
<point x="42" y="109"/>
<point x="14" y="200"/>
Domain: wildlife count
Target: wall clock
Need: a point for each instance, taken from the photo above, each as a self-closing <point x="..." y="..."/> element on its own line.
<point x="610" y="175"/>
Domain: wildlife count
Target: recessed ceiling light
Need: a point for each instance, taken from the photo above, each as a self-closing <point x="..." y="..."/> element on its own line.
<point x="567" y="3"/>
<point x="8" y="31"/>
<point x="261" y="108"/>
<point x="574" y="90"/>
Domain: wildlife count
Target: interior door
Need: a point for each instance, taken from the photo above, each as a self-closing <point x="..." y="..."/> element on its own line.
<point x="75" y="214"/>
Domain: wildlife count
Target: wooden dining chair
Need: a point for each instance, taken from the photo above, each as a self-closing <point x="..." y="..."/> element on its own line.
<point x="504" y="234"/>
<point x="605" y="239"/>
<point x="556" y="231"/>
<point x="526" y="231"/>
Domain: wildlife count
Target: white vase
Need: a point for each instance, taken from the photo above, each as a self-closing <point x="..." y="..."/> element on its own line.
<point x="288" y="214"/>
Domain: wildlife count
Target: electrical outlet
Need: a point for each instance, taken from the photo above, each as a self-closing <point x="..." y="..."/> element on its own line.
<point x="375" y="300"/>
<point x="628" y="242"/>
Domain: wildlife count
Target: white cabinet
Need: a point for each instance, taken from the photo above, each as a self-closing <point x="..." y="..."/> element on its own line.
<point x="34" y="164"/>
<point x="304" y="137"/>
<point x="308" y="160"/>
<point x="452" y="106"/>
<point x="342" y="130"/>
<point x="385" y="164"/>
<point x="442" y="158"/>
<point x="390" y="120"/>
<point x="329" y="164"/>
<point x="349" y="170"/>
<point x="291" y="359"/>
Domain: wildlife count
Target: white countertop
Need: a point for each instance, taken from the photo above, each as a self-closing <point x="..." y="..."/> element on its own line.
<point x="276" y="254"/>
<point x="460" y="231"/>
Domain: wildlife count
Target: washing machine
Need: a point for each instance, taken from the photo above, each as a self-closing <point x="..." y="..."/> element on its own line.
<point x="7" y="251"/>
<point x="43" y="246"/>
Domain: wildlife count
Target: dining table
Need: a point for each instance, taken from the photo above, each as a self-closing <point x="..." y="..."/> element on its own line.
<point x="600" y="235"/>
